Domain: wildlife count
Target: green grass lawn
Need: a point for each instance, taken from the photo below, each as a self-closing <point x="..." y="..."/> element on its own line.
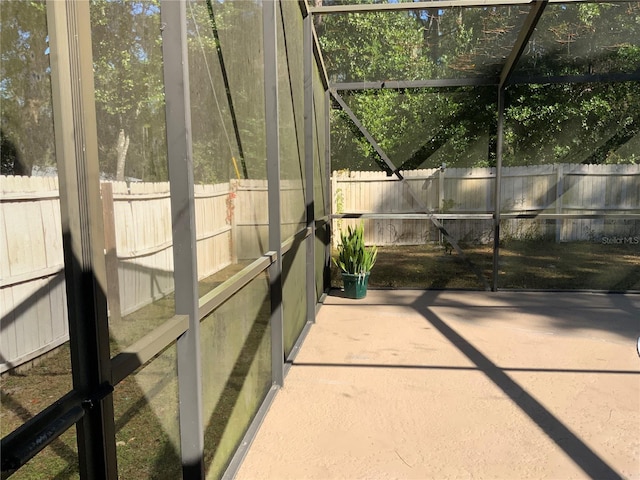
<point x="523" y="265"/>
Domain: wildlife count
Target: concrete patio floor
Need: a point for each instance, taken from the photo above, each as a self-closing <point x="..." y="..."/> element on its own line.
<point x="416" y="385"/>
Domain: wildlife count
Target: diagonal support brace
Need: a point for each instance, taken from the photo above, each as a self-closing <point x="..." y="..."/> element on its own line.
<point x="418" y="201"/>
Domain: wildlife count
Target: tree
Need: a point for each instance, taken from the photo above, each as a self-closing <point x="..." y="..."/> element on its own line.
<point x="26" y="124"/>
<point x="129" y="89"/>
<point x="227" y="102"/>
<point x="579" y="123"/>
<point x="425" y="127"/>
<point x="417" y="128"/>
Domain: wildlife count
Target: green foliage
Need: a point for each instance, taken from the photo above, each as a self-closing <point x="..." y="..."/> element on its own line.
<point x="421" y="128"/>
<point x="582" y="123"/>
<point x="225" y="38"/>
<point x="129" y="90"/>
<point x="448" y="204"/>
<point x="26" y="113"/>
<point x="353" y="256"/>
<point x="417" y="128"/>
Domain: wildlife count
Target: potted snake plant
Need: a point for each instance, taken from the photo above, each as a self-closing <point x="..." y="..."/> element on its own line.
<point x="355" y="261"/>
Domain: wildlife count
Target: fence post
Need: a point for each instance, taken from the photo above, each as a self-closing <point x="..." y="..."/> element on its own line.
<point x="559" y="193"/>
<point x="232" y="199"/>
<point x="440" y="207"/>
<point x="111" y="252"/>
<point x="441" y="175"/>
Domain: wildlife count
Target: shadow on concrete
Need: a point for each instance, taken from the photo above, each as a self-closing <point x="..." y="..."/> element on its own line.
<point x="563" y="437"/>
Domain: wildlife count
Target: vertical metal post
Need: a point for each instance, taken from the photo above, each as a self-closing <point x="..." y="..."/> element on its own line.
<point x="498" y="189"/>
<point x="309" y="120"/>
<point x="270" y="32"/>
<point x="180" y="158"/>
<point x="83" y="233"/>
<point x="440" y="208"/>
<point x="328" y="190"/>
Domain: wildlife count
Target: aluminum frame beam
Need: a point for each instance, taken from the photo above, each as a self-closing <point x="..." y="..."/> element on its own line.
<point x="405" y="84"/>
<point x="75" y="130"/>
<point x="498" y="188"/>
<point x="404" y="6"/>
<point x="327" y="189"/>
<point x="488" y="216"/>
<point x="486" y="81"/>
<point x="136" y="355"/>
<point x="317" y="52"/>
<point x="419" y="202"/>
<point x="416" y="216"/>
<point x="366" y="134"/>
<point x="572" y="79"/>
<point x="504" y="79"/>
<point x="227" y="89"/>
<point x="440" y="4"/>
<point x="19" y="446"/>
<point x="309" y="191"/>
<point x="523" y="39"/>
<point x="270" y="52"/>
<point x="180" y="160"/>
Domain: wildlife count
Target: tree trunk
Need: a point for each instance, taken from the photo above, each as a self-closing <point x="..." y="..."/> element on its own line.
<point x="317" y="19"/>
<point x="121" y="148"/>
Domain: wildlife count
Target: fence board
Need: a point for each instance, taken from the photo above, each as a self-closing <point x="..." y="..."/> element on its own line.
<point x="8" y="339"/>
<point x="143" y="243"/>
<point x="5" y="268"/>
<point x="58" y="303"/>
<point x="213" y="226"/>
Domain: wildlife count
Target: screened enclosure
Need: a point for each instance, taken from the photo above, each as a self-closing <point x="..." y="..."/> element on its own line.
<point x="174" y="174"/>
<point x="505" y="135"/>
<point x="165" y="212"/>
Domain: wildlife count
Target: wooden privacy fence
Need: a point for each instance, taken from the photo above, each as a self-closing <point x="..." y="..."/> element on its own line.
<point x="251" y="216"/>
<point x="33" y="301"/>
<point x="232" y="222"/>
<point x="139" y="215"/>
<point x="138" y="254"/>
<point x="454" y="192"/>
